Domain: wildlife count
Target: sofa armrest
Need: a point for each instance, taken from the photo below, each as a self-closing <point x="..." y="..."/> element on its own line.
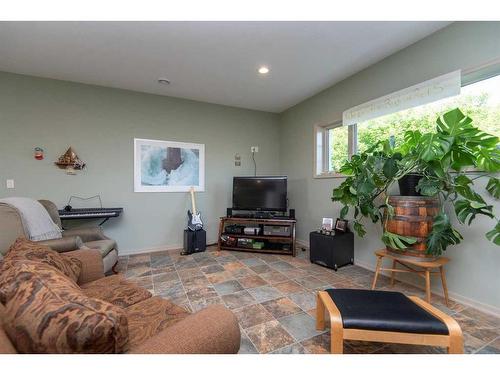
<point x="86" y="234"/>
<point x="213" y="330"/>
<point x="62" y="245"/>
<point x="92" y="266"/>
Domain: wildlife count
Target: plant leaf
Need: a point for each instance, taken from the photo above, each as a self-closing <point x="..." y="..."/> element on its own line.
<point x="359" y="228"/>
<point x="344" y="211"/>
<point x="412" y="137"/>
<point x="488" y="159"/>
<point x="461" y="156"/>
<point x="396" y="241"/>
<point x="466" y="210"/>
<point x="436" y="166"/>
<point x="493" y="187"/>
<point x="429" y="187"/>
<point x="442" y="235"/>
<point x="494" y="235"/>
<point x="434" y="146"/>
<point x="390" y="168"/>
<point x="453" y="122"/>
<point x="462" y="187"/>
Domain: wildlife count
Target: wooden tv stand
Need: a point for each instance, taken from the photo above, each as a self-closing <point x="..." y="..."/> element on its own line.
<point x="272" y="243"/>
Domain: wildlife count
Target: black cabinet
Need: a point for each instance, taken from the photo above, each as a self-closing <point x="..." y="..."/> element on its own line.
<point x="331" y="251"/>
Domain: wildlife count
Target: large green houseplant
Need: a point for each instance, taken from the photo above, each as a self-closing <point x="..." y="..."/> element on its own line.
<point x="442" y="158"/>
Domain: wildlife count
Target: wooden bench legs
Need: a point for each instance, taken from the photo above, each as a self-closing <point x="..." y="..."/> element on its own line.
<point x="453" y="342"/>
<point x="324" y="302"/>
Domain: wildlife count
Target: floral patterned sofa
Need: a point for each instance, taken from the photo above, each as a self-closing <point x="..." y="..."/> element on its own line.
<point x="62" y="303"/>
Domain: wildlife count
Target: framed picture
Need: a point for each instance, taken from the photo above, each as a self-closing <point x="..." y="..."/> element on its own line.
<point x="327" y="223"/>
<point x="165" y="166"/>
<point x="341" y="225"/>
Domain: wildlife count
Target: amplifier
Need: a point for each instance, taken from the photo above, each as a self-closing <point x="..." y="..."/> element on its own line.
<point x="252" y="230"/>
<point x="276" y="230"/>
<point x="331" y="251"/>
<point x="245" y="242"/>
<point x="234" y="229"/>
<point x="194" y="241"/>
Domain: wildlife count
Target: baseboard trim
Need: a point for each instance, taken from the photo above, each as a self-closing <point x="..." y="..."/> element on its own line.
<point x="149" y="250"/>
<point x="469" y="302"/>
<point x="302" y="243"/>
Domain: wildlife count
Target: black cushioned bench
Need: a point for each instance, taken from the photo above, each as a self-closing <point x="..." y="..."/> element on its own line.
<point x="383" y="316"/>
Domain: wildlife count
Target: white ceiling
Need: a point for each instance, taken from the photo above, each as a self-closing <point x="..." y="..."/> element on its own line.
<point x="214" y="62"/>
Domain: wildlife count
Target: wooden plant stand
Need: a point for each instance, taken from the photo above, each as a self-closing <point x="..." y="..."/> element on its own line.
<point x="424" y="270"/>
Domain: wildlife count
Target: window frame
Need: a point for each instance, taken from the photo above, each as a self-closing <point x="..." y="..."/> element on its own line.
<point x="469" y="76"/>
<point x="322" y="131"/>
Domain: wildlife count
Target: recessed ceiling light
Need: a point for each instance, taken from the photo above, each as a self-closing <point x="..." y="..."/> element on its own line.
<point x="263" y="70"/>
<point x="163" y="81"/>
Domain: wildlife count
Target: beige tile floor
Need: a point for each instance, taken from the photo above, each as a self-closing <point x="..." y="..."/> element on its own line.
<point x="274" y="298"/>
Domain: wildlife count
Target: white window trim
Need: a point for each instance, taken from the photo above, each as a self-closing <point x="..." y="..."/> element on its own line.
<point x="323" y="129"/>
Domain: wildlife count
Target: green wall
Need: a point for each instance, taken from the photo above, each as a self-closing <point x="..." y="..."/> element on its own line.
<point x="101" y="123"/>
<point x="473" y="272"/>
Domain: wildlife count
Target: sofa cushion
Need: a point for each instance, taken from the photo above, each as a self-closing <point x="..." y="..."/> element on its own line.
<point x="25" y="250"/>
<point x="104" y="246"/>
<point x="6" y="346"/>
<point x="116" y="290"/>
<point x="47" y="313"/>
<point x="147" y="318"/>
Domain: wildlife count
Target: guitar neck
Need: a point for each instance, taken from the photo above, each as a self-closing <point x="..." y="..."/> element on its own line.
<point x="193" y="204"/>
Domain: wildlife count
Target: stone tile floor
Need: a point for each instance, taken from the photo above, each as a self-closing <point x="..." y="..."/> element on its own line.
<point x="273" y="297"/>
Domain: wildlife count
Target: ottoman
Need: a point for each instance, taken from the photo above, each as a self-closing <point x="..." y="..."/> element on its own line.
<point x="383" y="316"/>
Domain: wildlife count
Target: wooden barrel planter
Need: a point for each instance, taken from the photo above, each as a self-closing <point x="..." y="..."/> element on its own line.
<point x="413" y="216"/>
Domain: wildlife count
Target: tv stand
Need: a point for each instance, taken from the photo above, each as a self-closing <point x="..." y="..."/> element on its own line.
<point x="278" y="238"/>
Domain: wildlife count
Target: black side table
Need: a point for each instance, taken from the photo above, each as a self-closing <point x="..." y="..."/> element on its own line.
<point x="331" y="251"/>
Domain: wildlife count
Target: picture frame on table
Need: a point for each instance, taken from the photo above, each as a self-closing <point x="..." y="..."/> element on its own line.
<point x="341" y="225"/>
<point x="327" y="224"/>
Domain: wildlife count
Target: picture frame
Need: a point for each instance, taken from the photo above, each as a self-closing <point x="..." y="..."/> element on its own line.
<point x="341" y="225"/>
<point x="168" y="166"/>
<point x="327" y="224"/>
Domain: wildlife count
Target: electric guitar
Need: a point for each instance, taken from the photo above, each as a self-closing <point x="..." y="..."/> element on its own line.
<point x="194" y="217"/>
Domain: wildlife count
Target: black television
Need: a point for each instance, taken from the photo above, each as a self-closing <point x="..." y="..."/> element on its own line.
<point x="264" y="193"/>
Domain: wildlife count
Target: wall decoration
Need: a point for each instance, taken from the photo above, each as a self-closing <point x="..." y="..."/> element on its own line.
<point x="38" y="153"/>
<point x="166" y="166"/>
<point x="70" y="161"/>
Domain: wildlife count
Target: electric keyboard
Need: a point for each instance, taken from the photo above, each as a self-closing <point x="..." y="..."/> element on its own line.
<point x="90" y="213"/>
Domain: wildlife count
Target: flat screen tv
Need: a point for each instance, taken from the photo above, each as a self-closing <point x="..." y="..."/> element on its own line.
<point x="265" y="193"/>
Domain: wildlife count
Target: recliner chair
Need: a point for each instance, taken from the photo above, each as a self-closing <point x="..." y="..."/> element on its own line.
<point x="11" y="227"/>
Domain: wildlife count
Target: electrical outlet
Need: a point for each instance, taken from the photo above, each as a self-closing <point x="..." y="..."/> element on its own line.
<point x="10" y="184"/>
<point x="254" y="149"/>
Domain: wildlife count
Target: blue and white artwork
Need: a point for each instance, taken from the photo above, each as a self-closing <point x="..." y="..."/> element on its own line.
<point x="164" y="166"/>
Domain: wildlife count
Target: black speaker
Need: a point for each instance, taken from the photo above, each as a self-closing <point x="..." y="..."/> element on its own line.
<point x="229" y="212"/>
<point x="331" y="251"/>
<point x="194" y="241"/>
<point x="292" y="213"/>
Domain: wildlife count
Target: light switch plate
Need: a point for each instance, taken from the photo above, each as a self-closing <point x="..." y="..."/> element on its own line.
<point x="10" y="184"/>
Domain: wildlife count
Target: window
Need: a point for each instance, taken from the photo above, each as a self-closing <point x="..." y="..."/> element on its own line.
<point x="480" y="99"/>
<point x="332" y="148"/>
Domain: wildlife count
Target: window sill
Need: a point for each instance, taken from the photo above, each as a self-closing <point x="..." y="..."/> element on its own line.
<point x="329" y="175"/>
